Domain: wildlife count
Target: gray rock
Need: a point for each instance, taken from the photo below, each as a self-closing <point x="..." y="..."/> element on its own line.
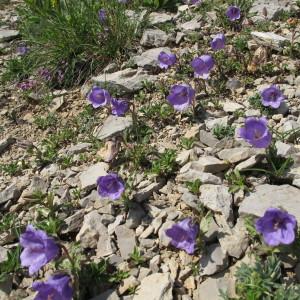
<point x="12" y="192"/>
<point x="5" y="143"/>
<point x="235" y="155"/>
<point x="215" y="260"/>
<point x="233" y="84"/>
<point x="269" y="39"/>
<point x="191" y="26"/>
<point x="164" y="240"/>
<point x="207" y="138"/>
<point x="290" y="126"/>
<point x="149" y="58"/>
<point x="154" y="37"/>
<point x="284" y="149"/>
<point x="266" y="196"/>
<point x="112" y="126"/>
<point x="190" y="199"/>
<point x="159" y="18"/>
<point x="56" y="104"/>
<point x="107" y="295"/>
<point x="210" y="289"/>
<point x="231" y="107"/>
<point x="252" y="161"/>
<point x="88" y="178"/>
<point x="135" y="215"/>
<point x="126" y="240"/>
<point x="274" y="8"/>
<point x="126" y="81"/>
<point x="78" y="148"/>
<point x="192" y="175"/>
<point x="73" y="223"/>
<point x="185" y="155"/>
<point x="208" y="164"/>
<point x="128" y="283"/>
<point x="92" y="228"/>
<point x="211" y="123"/>
<point x="3" y="254"/>
<point x="90" y="199"/>
<point x="146" y="192"/>
<point x="234" y="241"/>
<point x="105" y="246"/>
<point x="155" y="287"/>
<point x="7" y="35"/>
<point x="217" y="198"/>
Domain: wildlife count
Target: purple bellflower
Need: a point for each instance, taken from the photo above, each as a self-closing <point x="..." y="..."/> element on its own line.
<point x="166" y="60"/>
<point x="277" y="227"/>
<point x="256" y="132"/>
<point x="38" y="250"/>
<point x="202" y="66"/>
<point x="111" y="186"/>
<point x="99" y="97"/>
<point x="102" y="16"/>
<point x="233" y="13"/>
<point x="272" y="96"/>
<point x="183" y="235"/>
<point x="57" y="287"/>
<point x="119" y="107"/>
<point x="22" y="50"/>
<point x="181" y="96"/>
<point x="218" y="42"/>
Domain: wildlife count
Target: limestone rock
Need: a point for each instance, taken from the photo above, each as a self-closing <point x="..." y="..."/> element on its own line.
<point x="267" y="195"/>
<point x="112" y="126"/>
<point x="88" y="178"/>
<point x="7" y="35"/>
<point x="126" y="81"/>
<point x="155" y="287"/>
<point x="91" y="230"/>
<point x="217" y="198"/>
<point x="209" y="164"/>
<point x="269" y="39"/>
<point x="154" y="37"/>
<point x="149" y="58"/>
<point x="215" y="260"/>
<point x="126" y="240"/>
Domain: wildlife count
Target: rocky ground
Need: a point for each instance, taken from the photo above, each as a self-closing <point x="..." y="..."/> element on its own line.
<point x="56" y="186"/>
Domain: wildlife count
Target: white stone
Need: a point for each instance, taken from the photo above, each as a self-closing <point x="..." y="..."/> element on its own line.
<point x="88" y="178"/>
<point x="155" y="287"/>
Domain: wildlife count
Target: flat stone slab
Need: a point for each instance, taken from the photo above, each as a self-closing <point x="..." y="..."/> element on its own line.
<point x="149" y="58"/>
<point x="7" y="35"/>
<point x="269" y="39"/>
<point x="112" y="126"/>
<point x="267" y="195"/>
<point x="124" y="82"/>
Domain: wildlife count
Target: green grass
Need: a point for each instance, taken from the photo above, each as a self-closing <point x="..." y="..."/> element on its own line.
<point x="68" y="33"/>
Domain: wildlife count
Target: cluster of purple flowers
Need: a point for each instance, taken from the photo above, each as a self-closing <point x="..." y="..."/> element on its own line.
<point x="27" y="85"/>
<point x="38" y="250"/>
<point x="99" y="97"/>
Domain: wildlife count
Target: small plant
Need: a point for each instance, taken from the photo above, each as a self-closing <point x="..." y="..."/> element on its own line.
<point x="187" y="143"/>
<point x="194" y="186"/>
<point x="165" y="164"/>
<point x="236" y="181"/>
<point x="263" y="281"/>
<point x="45" y="122"/>
<point x="118" y="276"/>
<point x="77" y="42"/>
<point x="255" y="102"/>
<point x="13" y="168"/>
<point x="222" y="131"/>
<point x="157" y="4"/>
<point x="11" y="265"/>
<point x="136" y="257"/>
